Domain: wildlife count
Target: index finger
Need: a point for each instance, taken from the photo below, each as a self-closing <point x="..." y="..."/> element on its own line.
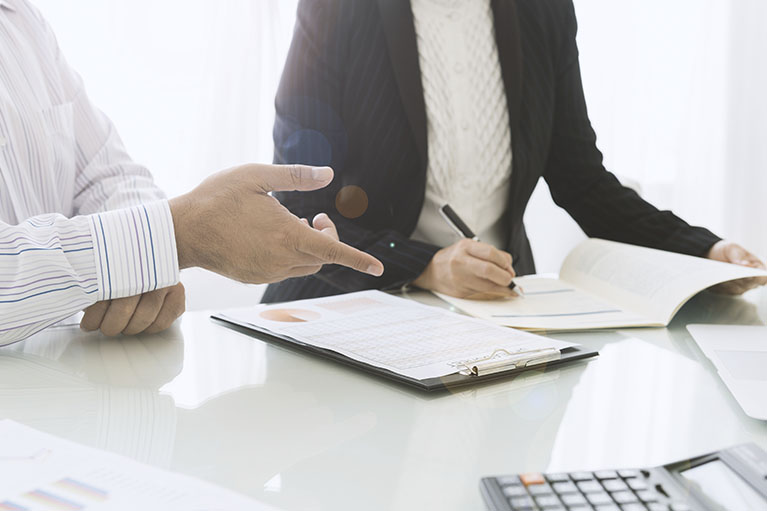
<point x="331" y="251"/>
<point x="491" y="254"/>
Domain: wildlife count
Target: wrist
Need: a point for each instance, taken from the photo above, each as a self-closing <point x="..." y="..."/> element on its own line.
<point x="714" y="252"/>
<point x="180" y="211"/>
<point x="424" y="280"/>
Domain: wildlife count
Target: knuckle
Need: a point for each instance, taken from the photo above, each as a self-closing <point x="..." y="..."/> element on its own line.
<point x="179" y="309"/>
<point x="295" y="175"/>
<point x="110" y="330"/>
<point x="331" y="253"/>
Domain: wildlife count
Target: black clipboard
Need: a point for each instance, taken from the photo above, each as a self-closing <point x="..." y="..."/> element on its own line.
<point x="443" y="383"/>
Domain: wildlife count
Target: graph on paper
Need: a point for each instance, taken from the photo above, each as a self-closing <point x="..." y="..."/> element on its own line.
<point x="41" y="472"/>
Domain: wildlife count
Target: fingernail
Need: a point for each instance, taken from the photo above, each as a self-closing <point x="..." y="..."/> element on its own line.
<point x="322" y="173"/>
<point x="375" y="270"/>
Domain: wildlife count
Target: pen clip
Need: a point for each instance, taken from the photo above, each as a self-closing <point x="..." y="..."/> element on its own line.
<point x="515" y="360"/>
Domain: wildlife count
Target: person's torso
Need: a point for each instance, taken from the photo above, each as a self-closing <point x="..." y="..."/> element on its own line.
<point x="382" y="153"/>
<point x="37" y="149"/>
<point x="468" y="133"/>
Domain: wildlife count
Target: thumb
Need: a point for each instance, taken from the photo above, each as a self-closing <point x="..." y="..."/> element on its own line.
<point x="288" y="178"/>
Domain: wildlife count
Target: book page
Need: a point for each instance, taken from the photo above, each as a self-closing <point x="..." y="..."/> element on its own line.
<point x="385" y="331"/>
<point x="550" y="304"/>
<point x="649" y="282"/>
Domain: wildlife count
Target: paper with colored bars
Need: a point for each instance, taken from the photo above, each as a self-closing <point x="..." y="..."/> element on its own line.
<point x="603" y="284"/>
<point x="41" y="472"/>
<point x="400" y="335"/>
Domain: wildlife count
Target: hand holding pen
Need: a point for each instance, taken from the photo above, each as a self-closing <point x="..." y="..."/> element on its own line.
<point x="469" y="268"/>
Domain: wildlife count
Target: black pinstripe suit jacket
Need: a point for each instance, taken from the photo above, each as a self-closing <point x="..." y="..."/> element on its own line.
<point x="351" y="97"/>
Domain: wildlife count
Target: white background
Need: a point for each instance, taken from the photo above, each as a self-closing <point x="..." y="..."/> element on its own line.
<point x="676" y="92"/>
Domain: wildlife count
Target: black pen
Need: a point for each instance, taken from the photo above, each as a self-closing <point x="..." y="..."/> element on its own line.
<point x="454" y="221"/>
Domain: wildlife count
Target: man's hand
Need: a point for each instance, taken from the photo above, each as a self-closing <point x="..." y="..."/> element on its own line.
<point x="232" y="226"/>
<point x="148" y="313"/>
<point x="469" y="269"/>
<point x="728" y="252"/>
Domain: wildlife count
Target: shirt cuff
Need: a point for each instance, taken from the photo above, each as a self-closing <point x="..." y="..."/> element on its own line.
<point x="134" y="250"/>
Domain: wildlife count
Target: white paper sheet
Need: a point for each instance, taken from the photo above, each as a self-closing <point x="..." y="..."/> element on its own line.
<point x="549" y="304"/>
<point x="41" y="472"/>
<point x="397" y="334"/>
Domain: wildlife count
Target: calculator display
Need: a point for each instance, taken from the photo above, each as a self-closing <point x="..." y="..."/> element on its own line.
<point x="724" y="487"/>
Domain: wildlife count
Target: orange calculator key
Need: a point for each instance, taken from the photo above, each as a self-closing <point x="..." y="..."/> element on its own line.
<point x="531" y="479"/>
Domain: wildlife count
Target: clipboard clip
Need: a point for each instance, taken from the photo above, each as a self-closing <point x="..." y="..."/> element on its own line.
<point x="512" y="360"/>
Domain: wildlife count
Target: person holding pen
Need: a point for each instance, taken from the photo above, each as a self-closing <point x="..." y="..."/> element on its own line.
<point x="421" y="103"/>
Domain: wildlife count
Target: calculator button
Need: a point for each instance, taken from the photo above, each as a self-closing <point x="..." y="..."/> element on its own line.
<point x="680" y="506"/>
<point x="633" y="507"/>
<point x="515" y="491"/>
<point x="590" y="487"/>
<point x="521" y="503"/>
<point x="547" y="501"/>
<point x="606" y="474"/>
<point x="597" y="499"/>
<point x="582" y="476"/>
<point x="647" y="496"/>
<point x="573" y="499"/>
<point x="608" y="507"/>
<point x="557" y="478"/>
<point x="657" y="506"/>
<point x="581" y="508"/>
<point x="507" y="480"/>
<point x="626" y="474"/>
<point x="636" y="484"/>
<point x="624" y="497"/>
<point x="614" y="485"/>
<point x="530" y="479"/>
<point x="564" y="488"/>
<point x="540" y="489"/>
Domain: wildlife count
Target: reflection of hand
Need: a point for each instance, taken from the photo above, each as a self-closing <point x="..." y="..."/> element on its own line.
<point x="148" y="313"/>
<point x="232" y="226"/>
<point x="469" y="269"/>
<point x="728" y="252"/>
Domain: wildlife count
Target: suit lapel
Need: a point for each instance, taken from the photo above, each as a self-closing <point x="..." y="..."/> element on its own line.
<point x="397" y="18"/>
<point x="507" y="36"/>
<point x="509" y="41"/>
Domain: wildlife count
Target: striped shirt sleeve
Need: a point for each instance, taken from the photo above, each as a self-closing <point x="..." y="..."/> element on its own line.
<point x="52" y="267"/>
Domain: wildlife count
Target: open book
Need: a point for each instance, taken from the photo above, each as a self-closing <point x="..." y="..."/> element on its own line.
<point x="603" y="284"/>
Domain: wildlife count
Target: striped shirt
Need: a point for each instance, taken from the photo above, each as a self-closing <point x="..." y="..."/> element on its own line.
<point x="79" y="221"/>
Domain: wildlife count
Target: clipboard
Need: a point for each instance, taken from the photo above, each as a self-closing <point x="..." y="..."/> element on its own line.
<point x="471" y="373"/>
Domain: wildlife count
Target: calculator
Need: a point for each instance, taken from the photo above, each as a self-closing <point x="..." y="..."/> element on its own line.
<point x="734" y="479"/>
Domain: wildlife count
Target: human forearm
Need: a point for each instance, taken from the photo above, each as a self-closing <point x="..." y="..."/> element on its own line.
<point x="52" y="267"/>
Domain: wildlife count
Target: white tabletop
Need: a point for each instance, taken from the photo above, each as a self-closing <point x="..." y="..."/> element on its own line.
<point x="306" y="434"/>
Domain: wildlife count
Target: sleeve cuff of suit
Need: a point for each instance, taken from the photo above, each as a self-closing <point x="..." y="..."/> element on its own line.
<point x="134" y="250"/>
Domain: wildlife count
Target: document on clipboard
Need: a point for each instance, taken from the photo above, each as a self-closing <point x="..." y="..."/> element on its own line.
<point x="402" y="337"/>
